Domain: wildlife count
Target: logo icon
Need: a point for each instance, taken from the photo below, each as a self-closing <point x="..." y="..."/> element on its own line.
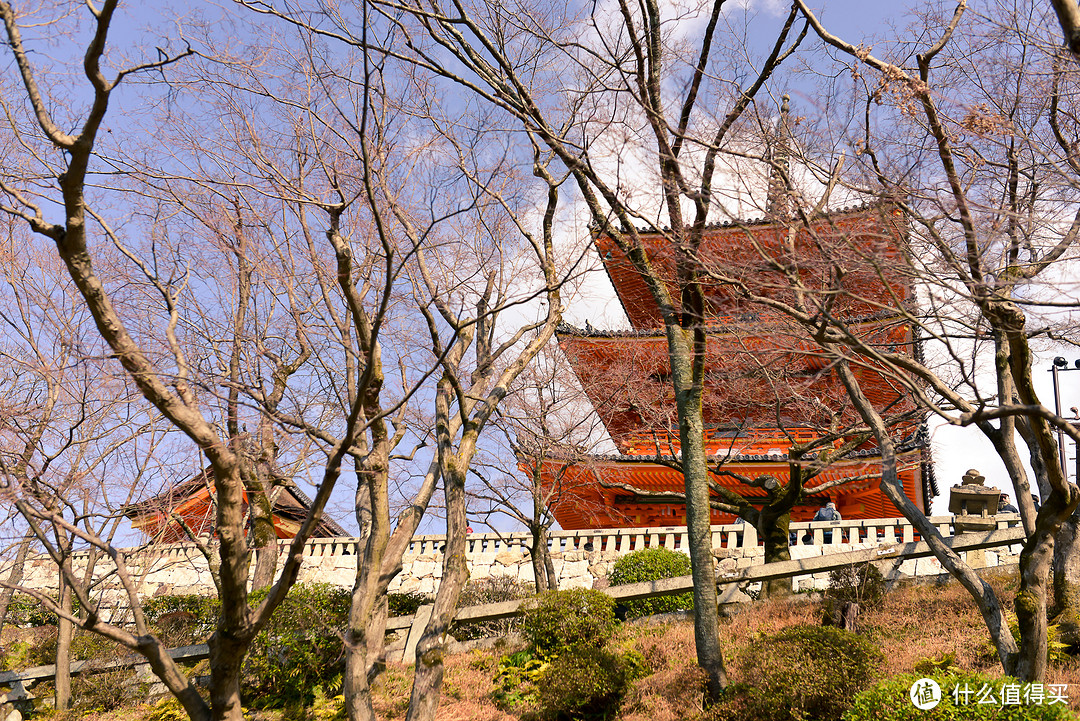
<point x="925" y="694"/>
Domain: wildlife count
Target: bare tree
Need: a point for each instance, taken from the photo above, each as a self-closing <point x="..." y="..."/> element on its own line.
<point x="545" y="429"/>
<point x="152" y="301"/>
<point x="1068" y="15"/>
<point x="76" y="453"/>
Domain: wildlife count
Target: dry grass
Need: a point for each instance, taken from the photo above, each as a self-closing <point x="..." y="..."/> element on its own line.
<point x="914" y="623"/>
<point x="670" y="695"/>
<point x="920" y="622"/>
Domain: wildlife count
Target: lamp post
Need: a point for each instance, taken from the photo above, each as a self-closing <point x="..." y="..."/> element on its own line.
<point x="1060" y="366"/>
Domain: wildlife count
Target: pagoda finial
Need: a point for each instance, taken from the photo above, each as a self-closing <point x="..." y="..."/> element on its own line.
<point x="778" y="203"/>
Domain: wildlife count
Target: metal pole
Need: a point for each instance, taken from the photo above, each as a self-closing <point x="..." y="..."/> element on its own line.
<point x="1057" y="410"/>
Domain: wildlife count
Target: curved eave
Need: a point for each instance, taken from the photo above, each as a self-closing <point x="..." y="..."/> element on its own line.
<point x="865" y="222"/>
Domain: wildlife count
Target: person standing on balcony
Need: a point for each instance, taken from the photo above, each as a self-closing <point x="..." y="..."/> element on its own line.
<point x="828" y="513"/>
<point x="1005" y="506"/>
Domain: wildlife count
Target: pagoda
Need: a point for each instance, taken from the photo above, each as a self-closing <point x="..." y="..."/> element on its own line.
<point x="767" y="386"/>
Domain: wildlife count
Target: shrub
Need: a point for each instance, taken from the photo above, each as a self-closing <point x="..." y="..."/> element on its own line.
<point x="182" y="620"/>
<point x="105" y="691"/>
<point x="1057" y="652"/>
<point x="652" y="564"/>
<point x="890" y="700"/>
<point x="803" y="672"/>
<point x="16" y="656"/>
<point x="166" y="709"/>
<point x="496" y="589"/>
<point x="587" y="681"/>
<point x="300" y="648"/>
<point x="862" y="584"/>
<point x="562" y="620"/>
<point x="102" y="691"/>
<point x="517" y="679"/>
<point x="405" y="604"/>
<point x="25" y="611"/>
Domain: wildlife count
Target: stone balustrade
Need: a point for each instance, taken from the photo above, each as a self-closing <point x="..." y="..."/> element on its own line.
<point x="581" y="558"/>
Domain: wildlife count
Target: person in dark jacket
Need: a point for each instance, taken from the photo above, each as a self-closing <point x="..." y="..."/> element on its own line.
<point x="1004" y="506"/>
<point x="828" y="513"/>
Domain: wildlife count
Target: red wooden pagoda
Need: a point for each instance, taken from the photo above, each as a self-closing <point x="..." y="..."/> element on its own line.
<point x="767" y="387"/>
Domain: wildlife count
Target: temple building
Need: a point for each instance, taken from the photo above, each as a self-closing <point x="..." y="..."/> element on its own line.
<point x="767" y="386"/>
<point x="187" y="509"/>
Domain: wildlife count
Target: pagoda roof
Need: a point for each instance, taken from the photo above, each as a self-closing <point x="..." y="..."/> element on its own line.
<point x="722" y="326"/>
<point x="870" y="237"/>
<point x="854" y="209"/>
<point x="190" y="499"/>
<point x="765" y="379"/>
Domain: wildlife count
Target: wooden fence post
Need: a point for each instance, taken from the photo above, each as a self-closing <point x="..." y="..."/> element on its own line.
<point x="416" y="630"/>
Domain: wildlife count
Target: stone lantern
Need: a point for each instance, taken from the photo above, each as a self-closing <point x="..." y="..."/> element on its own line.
<point x="973" y="504"/>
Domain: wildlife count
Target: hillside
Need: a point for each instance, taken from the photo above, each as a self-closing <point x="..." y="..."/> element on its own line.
<point x="913" y="624"/>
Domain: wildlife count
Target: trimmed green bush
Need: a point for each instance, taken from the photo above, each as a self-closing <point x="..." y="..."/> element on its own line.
<point x="890" y="700"/>
<point x="803" y="672"/>
<point x="588" y="682"/>
<point x="300" y="648"/>
<point x="562" y="620"/>
<point x="652" y="564"/>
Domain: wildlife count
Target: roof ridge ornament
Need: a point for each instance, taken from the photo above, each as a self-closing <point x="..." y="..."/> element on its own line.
<point x="778" y="152"/>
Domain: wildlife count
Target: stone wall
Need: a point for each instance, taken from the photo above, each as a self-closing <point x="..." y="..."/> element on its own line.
<point x="582" y="559"/>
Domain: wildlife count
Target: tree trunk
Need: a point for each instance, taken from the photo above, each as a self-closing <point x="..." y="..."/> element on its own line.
<point x="368" y="609"/>
<point x="364" y="646"/>
<point x="549" y="568"/>
<point x="699" y="534"/>
<point x="774" y="531"/>
<point x="428" y="675"/>
<point x="848" y="616"/>
<point x="1066" y="608"/>
<point x="1030" y="604"/>
<point x="264" y="537"/>
<point x="64" y="632"/>
<point x="981" y="591"/>
<point x="226" y="661"/>
<point x="14" y="578"/>
<point x="544" y="578"/>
